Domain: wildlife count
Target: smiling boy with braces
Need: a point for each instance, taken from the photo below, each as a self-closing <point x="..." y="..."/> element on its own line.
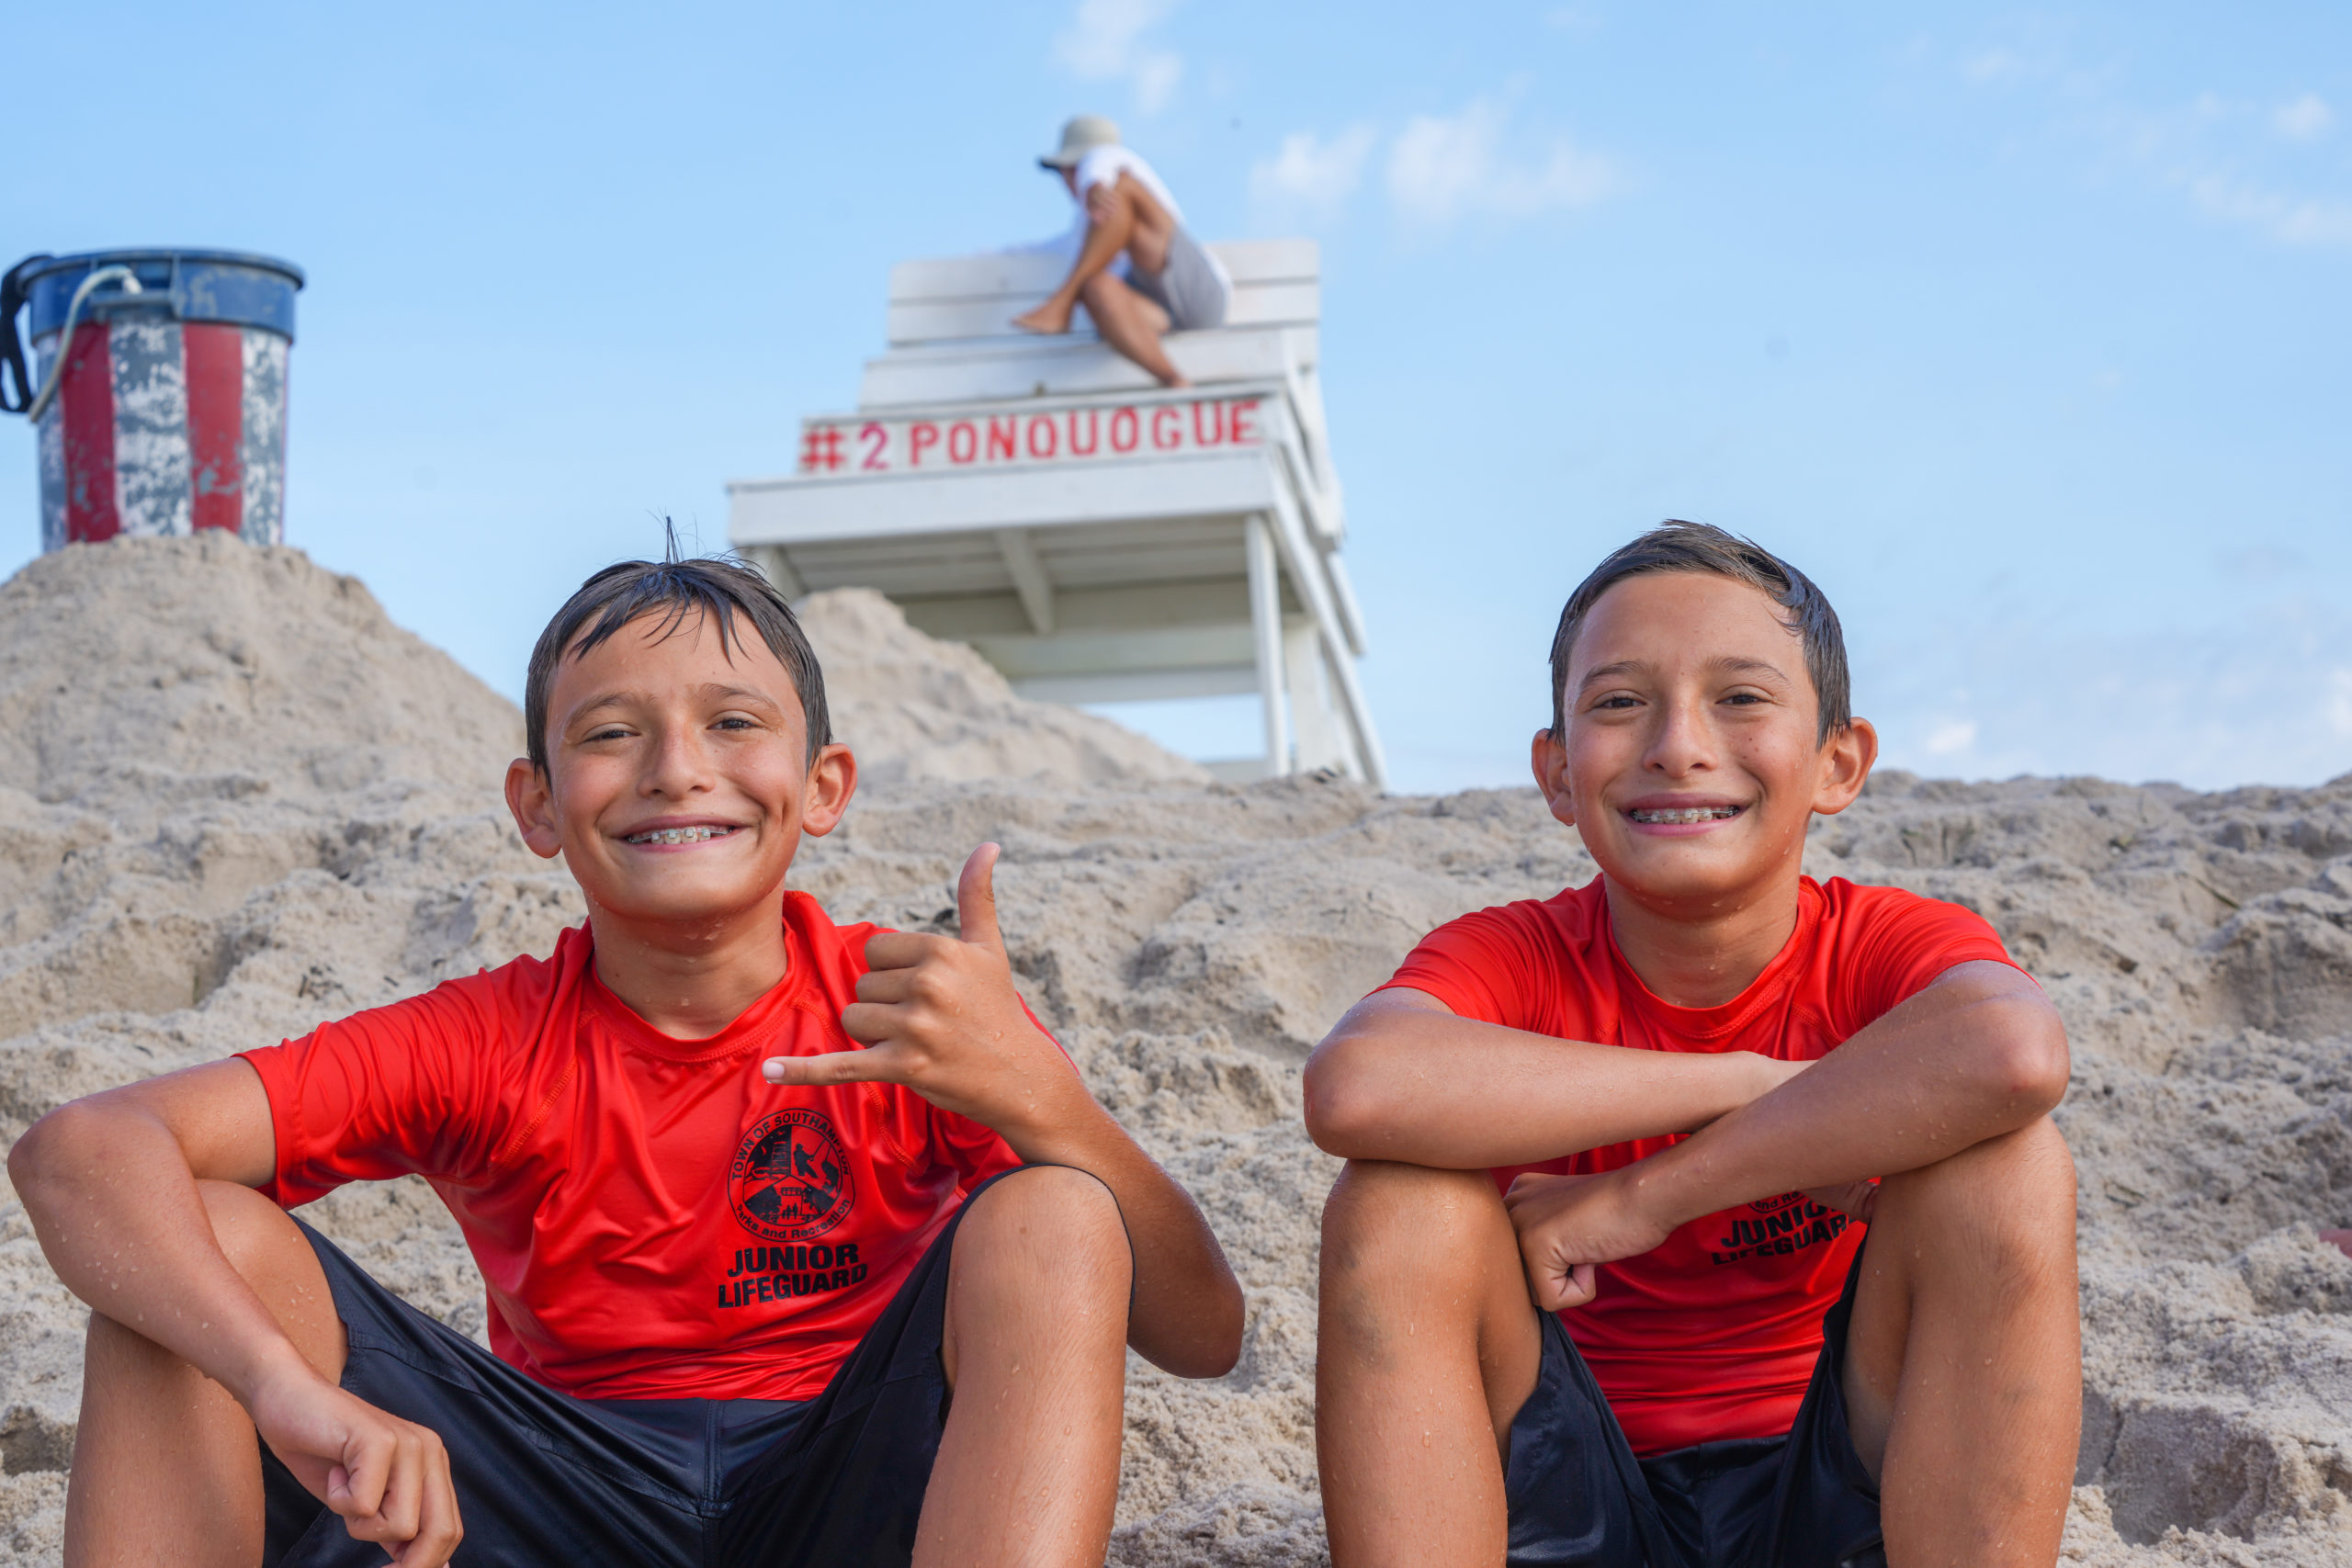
<point x="1593" y="1292"/>
<point x="926" y="1366"/>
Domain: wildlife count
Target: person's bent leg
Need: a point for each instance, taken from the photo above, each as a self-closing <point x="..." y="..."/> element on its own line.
<point x="1035" y="1348"/>
<point x="1133" y="325"/>
<point x="166" y="1468"/>
<point x="1107" y="235"/>
<point x="1428" y="1345"/>
<point x="1964" y="1363"/>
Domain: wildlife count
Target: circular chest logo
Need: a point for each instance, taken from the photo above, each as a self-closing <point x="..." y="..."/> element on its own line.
<point x="790" y="1181"/>
<point x="1774" y="1205"/>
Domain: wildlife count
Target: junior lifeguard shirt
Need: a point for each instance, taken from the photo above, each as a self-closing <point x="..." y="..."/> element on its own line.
<point x="655" y="1221"/>
<point x="1714" y="1333"/>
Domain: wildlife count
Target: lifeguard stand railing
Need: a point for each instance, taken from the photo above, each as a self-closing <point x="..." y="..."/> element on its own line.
<point x="1095" y="536"/>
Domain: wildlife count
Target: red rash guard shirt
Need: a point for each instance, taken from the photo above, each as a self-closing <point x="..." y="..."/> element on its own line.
<point x="655" y="1221"/>
<point x="1714" y="1334"/>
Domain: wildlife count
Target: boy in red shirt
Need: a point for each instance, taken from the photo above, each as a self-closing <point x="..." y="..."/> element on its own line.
<point x="1656" y="1104"/>
<point x="756" y="1296"/>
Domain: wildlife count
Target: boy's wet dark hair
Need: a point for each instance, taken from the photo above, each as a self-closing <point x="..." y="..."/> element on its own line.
<point x="681" y="592"/>
<point x="1676" y="545"/>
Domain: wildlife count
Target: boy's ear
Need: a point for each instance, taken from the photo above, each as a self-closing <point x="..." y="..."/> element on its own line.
<point x="832" y="779"/>
<point x="1548" y="757"/>
<point x="531" y="797"/>
<point x="1846" y="759"/>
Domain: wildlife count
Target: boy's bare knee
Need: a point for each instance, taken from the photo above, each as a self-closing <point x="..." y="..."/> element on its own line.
<point x="1378" y="1205"/>
<point x="2042" y="1164"/>
<point x="263" y="1243"/>
<point x="1060" y="1219"/>
<point x="253" y="1233"/>
<point x="2029" y="1166"/>
<point x="2008" y="1203"/>
<point x="1041" y="1233"/>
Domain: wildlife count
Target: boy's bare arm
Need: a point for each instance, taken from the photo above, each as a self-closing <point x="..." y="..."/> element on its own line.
<point x="940" y="1015"/>
<point x="1403" y="1078"/>
<point x="1977" y="1054"/>
<point x="111" y="1185"/>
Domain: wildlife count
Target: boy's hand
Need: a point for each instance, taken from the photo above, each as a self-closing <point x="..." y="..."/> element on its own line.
<point x="939" y="1015"/>
<point x="1568" y="1223"/>
<point x="387" y="1479"/>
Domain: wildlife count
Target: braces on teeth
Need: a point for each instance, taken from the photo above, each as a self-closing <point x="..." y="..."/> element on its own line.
<point x="1688" y="814"/>
<point x="676" y="835"/>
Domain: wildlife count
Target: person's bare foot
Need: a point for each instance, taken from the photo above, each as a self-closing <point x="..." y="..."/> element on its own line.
<point x="2340" y="1240"/>
<point x="1050" y="319"/>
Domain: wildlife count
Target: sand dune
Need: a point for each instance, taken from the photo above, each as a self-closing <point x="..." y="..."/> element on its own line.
<point x="239" y="800"/>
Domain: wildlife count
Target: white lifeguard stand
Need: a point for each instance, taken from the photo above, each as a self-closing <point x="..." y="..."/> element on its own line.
<point x="1095" y="536"/>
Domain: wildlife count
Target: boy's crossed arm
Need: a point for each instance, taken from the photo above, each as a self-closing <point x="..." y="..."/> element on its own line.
<point x="1403" y="1078"/>
<point x="940" y="1015"/>
<point x="1977" y="1053"/>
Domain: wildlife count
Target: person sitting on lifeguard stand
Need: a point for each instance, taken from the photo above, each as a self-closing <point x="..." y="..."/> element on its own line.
<point x="1139" y="272"/>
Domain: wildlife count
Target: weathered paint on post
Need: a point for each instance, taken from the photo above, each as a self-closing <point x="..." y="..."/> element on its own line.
<point x="261" y="440"/>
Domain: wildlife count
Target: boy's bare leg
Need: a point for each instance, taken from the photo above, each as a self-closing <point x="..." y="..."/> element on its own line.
<point x="1132" y="324"/>
<point x="1429" y="1345"/>
<point x="1963" y="1364"/>
<point x="1036" y="1350"/>
<point x="166" y="1469"/>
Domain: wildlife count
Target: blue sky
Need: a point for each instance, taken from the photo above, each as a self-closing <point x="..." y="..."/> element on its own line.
<point x="2024" y="332"/>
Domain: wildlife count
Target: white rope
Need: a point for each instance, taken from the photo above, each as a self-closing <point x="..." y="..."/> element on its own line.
<point x="73" y="319"/>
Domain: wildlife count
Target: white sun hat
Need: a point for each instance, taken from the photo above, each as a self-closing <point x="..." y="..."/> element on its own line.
<point x="1082" y="135"/>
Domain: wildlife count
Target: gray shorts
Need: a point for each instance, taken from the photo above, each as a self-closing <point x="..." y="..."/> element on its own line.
<point x="1189" y="288"/>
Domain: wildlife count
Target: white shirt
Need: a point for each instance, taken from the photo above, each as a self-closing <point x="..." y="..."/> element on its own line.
<point x="1103" y="165"/>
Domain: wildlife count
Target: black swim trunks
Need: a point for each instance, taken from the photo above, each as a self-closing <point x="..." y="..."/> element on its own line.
<point x="545" y="1478"/>
<point x="1577" y="1496"/>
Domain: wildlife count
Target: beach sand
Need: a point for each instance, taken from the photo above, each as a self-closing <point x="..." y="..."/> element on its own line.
<point x="238" y="800"/>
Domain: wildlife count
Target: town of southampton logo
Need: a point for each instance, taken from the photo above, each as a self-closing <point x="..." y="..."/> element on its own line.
<point x="790" y="1181"/>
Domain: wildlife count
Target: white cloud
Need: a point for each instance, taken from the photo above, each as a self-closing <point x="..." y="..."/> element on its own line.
<point x="2289" y="219"/>
<point x="2221" y="153"/>
<point x="2306" y="117"/>
<point x="2339" y="701"/>
<point x="1951" y="735"/>
<point x="1104" y="42"/>
<point x="1311" y="173"/>
<point x="1440" y="169"/>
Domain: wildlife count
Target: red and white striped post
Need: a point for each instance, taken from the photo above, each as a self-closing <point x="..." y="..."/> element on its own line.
<point x="159" y="397"/>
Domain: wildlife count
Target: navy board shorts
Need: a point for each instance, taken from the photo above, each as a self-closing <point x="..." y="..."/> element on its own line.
<point x="1577" y="1497"/>
<point x="543" y="1477"/>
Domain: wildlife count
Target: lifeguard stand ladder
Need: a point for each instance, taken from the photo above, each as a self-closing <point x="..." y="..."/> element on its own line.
<point x="1096" y="538"/>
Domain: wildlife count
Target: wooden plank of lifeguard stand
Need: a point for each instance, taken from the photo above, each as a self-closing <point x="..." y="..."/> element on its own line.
<point x="1097" y="538"/>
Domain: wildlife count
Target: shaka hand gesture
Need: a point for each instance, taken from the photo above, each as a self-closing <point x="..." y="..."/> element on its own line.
<point x="939" y="1015"/>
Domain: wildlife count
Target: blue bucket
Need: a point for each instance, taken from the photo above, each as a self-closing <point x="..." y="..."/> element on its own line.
<point x="159" y="398"/>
